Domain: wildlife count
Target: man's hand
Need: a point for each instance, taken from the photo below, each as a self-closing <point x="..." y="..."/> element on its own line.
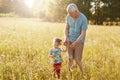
<point x="74" y="44"/>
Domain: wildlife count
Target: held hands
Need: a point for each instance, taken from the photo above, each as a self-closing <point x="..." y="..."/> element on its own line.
<point x="73" y="45"/>
<point x="66" y="41"/>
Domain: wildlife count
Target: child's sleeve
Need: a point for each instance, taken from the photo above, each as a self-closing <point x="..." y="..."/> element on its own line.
<point x="50" y="52"/>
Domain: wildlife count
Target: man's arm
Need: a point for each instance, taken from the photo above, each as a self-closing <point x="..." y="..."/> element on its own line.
<point x="73" y="45"/>
<point x="66" y="31"/>
<point x="81" y="36"/>
<point x="66" y="34"/>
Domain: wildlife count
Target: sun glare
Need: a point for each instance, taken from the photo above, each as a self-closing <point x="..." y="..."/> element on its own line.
<point x="29" y="3"/>
<point x="38" y="4"/>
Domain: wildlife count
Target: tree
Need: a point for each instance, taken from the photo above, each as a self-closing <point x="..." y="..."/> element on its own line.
<point x="57" y="9"/>
<point x="105" y="8"/>
<point x="17" y="6"/>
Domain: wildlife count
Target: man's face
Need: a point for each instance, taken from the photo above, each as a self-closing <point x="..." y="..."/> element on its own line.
<point x="73" y="14"/>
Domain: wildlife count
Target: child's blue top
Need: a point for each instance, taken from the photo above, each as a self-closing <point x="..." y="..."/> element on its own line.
<point x="56" y="59"/>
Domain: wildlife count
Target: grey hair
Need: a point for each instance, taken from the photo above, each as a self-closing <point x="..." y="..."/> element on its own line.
<point x="72" y="7"/>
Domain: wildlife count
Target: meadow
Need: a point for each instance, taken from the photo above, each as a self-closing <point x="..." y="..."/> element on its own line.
<point x="25" y="44"/>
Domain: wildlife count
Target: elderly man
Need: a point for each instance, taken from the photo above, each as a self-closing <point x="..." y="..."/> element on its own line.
<point x="75" y="32"/>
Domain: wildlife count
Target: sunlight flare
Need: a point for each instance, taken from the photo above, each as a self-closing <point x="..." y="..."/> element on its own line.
<point x="29" y="3"/>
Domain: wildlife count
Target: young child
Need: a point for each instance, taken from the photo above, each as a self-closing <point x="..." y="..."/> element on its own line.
<point x="56" y="56"/>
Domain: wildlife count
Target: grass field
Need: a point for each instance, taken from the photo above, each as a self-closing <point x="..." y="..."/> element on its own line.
<point x="25" y="43"/>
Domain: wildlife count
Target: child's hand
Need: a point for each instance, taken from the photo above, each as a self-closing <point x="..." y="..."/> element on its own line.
<point x="51" y="55"/>
<point x="64" y="50"/>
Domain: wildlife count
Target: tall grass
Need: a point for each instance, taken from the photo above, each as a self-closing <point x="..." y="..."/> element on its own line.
<point x="25" y="43"/>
